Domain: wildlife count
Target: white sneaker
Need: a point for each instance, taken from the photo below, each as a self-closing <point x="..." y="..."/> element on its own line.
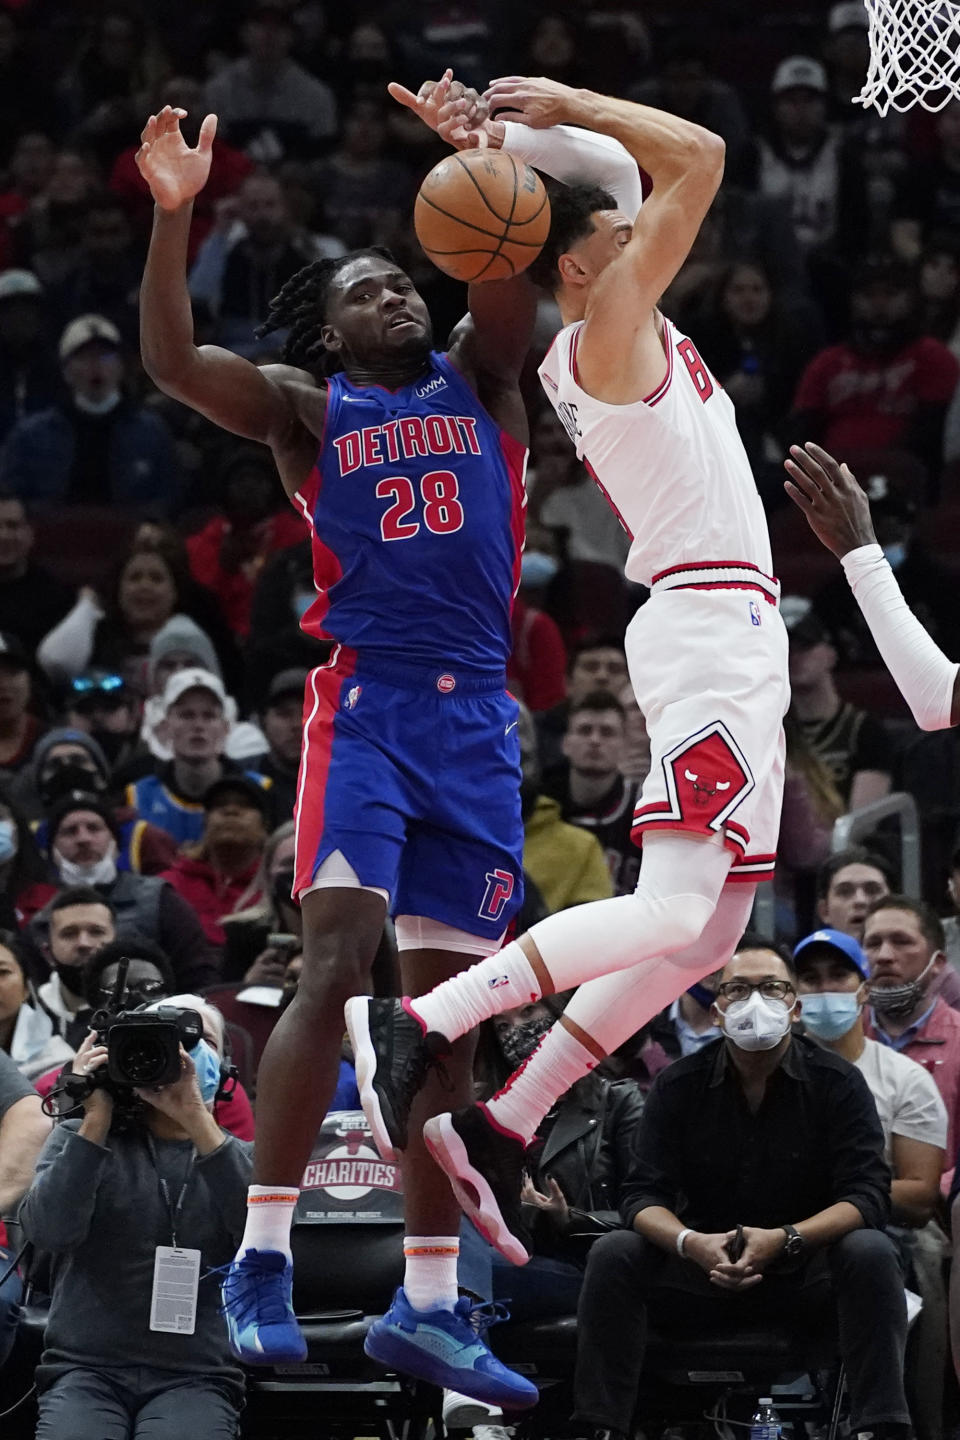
<point x="460" y="1412"/>
<point x="492" y="1432"/>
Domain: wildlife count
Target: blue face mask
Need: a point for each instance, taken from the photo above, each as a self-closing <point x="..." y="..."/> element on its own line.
<point x="8" y="840"/>
<point x="537" y="569"/>
<point x="207" y="1061"/>
<point x="702" y="994"/>
<point x="830" y="1013"/>
<point x="895" y="554"/>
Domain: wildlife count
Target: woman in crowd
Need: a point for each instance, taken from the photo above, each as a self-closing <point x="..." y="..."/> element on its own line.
<point x="27" y="1032"/>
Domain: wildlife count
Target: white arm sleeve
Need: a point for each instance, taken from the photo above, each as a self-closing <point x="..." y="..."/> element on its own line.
<point x="924" y="675"/>
<point x="66" y="649"/>
<point x="570" y="154"/>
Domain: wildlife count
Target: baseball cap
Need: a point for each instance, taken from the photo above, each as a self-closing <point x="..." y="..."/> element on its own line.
<point x="12" y="652"/>
<point x="804" y="626"/>
<point x="192" y="679"/>
<point x="16" y="283"/>
<point x="257" y="796"/>
<point x="287" y="682"/>
<point x="849" y="15"/>
<point x="799" y="72"/>
<point x="86" y="330"/>
<point x="836" y="940"/>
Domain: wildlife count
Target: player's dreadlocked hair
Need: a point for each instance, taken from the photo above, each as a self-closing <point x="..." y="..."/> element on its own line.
<point x="301" y="308"/>
<point x="571" y="207"/>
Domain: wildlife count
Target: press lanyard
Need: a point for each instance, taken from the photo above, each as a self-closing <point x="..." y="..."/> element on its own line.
<point x="172" y="1210"/>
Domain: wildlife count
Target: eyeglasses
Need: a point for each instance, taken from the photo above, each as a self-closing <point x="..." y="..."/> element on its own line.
<point x="742" y="989"/>
<point x="143" y="990"/>
<point x="91" y="684"/>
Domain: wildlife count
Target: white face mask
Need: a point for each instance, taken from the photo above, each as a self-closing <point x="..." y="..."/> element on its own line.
<point x="108" y="402"/>
<point x="97" y="872"/>
<point x="756" y="1023"/>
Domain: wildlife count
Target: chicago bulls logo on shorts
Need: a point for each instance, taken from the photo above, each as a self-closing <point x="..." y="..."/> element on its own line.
<point x="706" y="777"/>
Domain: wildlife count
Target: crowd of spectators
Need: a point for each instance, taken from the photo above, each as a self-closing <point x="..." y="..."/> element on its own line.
<point x="152" y="674"/>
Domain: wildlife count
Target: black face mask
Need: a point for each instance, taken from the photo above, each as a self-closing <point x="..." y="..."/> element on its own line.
<point x="67" y="776"/>
<point x="71" y="976"/>
<point x="519" y="1042"/>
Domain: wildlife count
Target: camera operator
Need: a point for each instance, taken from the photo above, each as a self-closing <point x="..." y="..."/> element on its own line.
<point x="161" y="1174"/>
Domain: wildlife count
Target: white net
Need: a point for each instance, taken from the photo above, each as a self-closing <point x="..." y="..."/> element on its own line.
<point x="914" y="54"/>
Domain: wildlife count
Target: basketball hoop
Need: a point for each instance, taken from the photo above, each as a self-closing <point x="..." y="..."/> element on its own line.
<point x="914" y="54"/>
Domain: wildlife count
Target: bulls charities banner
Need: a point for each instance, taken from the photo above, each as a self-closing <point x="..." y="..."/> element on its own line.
<point x="346" y="1181"/>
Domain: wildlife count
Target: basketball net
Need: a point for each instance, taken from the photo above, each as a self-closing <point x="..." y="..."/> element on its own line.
<point x="914" y="54"/>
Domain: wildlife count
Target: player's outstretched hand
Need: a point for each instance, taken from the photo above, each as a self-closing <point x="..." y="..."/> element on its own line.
<point x="174" y="172"/>
<point x="837" y="510"/>
<point x="530" y="100"/>
<point x="456" y="112"/>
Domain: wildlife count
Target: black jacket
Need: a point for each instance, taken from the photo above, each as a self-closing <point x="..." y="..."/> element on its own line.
<point x="588" y="1152"/>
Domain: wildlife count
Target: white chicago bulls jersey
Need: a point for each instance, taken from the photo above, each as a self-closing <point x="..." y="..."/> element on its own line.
<point x="673" y="465"/>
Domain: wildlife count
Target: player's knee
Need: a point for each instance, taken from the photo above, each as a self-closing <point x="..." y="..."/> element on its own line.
<point x="335" y="966"/>
<point x="679" y="919"/>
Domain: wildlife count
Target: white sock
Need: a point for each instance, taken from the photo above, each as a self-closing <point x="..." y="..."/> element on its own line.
<point x="501" y="982"/>
<point x="269" y="1218"/>
<point x="611" y="1009"/>
<point x="681" y="880"/>
<point x="430" y="1270"/>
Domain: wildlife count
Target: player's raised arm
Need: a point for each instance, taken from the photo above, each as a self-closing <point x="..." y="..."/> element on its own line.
<point x="838" y="513"/>
<point x="684" y="162"/>
<point x="225" y="387"/>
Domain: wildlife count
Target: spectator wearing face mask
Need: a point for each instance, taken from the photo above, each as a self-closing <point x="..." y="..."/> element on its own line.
<point x="103" y="704"/>
<point x="833" y="979"/>
<point x="578" y="1163"/>
<point x="195" y="725"/>
<point x="150" y="979"/>
<point x="96" y="447"/>
<point x="537" y="667"/>
<point x="169" y="1176"/>
<point x="83" y="850"/>
<point x="66" y="760"/>
<point x="79" y="921"/>
<point x="904" y="945"/>
<point x="812" y="1214"/>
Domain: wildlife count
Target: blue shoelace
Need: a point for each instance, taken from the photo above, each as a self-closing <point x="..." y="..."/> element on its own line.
<point x="249" y="1297"/>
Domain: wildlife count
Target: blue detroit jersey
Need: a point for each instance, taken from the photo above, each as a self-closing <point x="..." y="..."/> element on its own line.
<point x="416" y="507"/>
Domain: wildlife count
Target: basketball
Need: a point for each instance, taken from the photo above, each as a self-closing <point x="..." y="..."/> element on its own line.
<point x="482" y="215"/>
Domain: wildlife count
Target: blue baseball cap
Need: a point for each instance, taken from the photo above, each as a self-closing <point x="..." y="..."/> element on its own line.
<point x="837" y="940"/>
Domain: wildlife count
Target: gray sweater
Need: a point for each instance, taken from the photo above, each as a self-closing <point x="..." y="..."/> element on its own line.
<point x="99" y="1212"/>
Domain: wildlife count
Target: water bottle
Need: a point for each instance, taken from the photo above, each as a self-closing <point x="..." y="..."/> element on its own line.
<point x="765" y="1422"/>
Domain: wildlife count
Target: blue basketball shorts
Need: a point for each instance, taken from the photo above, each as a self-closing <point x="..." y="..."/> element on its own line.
<point x="414" y="777"/>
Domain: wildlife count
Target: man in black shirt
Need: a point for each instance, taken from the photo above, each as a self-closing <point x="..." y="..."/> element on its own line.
<point x="781" y="1136"/>
<point x="591" y="791"/>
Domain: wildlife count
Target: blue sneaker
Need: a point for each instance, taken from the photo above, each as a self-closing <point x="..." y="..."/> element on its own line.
<point x="257" y="1302"/>
<point x="446" y="1348"/>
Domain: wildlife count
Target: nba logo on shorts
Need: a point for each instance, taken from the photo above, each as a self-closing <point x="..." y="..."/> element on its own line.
<point x="352" y="697"/>
<point x="754" y="613"/>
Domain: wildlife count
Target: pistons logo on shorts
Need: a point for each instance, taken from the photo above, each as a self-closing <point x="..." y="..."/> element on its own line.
<point x="446" y="683"/>
<point x="707" y="777"/>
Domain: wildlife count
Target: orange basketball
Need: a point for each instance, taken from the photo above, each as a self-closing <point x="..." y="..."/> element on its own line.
<point x="482" y="215"/>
